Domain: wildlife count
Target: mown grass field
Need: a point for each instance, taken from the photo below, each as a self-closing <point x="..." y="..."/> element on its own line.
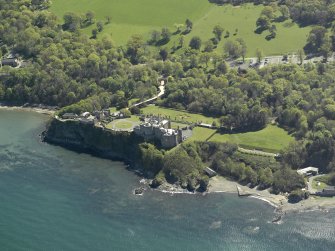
<point x="271" y="138"/>
<point x="179" y="116"/>
<point x="122" y="124"/>
<point x="201" y="134"/>
<point x="142" y="16"/>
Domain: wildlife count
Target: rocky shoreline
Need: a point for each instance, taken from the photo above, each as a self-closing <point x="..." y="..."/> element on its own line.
<point x="279" y="202"/>
<point x="48" y="110"/>
<point x="217" y="184"/>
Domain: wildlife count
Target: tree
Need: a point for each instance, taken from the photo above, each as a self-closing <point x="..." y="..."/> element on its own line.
<point x="189" y="25"/>
<point x="294" y="155"/>
<point x="166" y="34"/>
<point x="301" y="56"/>
<point x="259" y="55"/>
<point x="263" y="23"/>
<point x="163" y="53"/>
<point x="232" y="49"/>
<point x="89" y="17"/>
<point x="209" y="46"/>
<point x="155" y="36"/>
<point x="285" y="12"/>
<point x="316" y="38"/>
<point x="195" y="43"/>
<point x="181" y="41"/>
<point x="71" y="22"/>
<point x="179" y="27"/>
<point x="151" y="157"/>
<point x="135" y="48"/>
<point x="326" y="48"/>
<point x="268" y="12"/>
<point x="108" y="19"/>
<point x="221" y="68"/>
<point x="297" y="195"/>
<point x="243" y="47"/>
<point x="100" y="26"/>
<point x="287" y="180"/>
<point x="265" y="178"/>
<point x="94" y="33"/>
<point x="205" y="58"/>
<point x="272" y="31"/>
<point x="217" y="31"/>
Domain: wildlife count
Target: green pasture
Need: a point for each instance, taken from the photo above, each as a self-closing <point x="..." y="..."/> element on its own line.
<point x="271" y="138"/>
<point x="130" y="17"/>
<point x="243" y="18"/>
<point x="176" y="115"/>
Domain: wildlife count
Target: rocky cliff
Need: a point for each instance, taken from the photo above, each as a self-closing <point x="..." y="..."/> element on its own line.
<point x="98" y="141"/>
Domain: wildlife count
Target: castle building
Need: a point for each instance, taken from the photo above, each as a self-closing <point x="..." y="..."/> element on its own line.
<point x="159" y="129"/>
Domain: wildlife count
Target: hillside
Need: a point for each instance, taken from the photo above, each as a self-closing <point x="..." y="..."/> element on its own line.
<point x="130" y="17"/>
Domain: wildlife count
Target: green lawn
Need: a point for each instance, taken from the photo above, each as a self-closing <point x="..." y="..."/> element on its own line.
<point x="201" y="134"/>
<point x="122" y="124"/>
<point x="321" y="185"/>
<point x="175" y="125"/>
<point x="180" y="116"/>
<point x="134" y="118"/>
<point x="142" y="16"/>
<point x="271" y="138"/>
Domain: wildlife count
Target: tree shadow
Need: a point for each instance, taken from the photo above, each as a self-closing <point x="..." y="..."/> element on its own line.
<point x="288" y="24"/>
<point x="260" y="30"/>
<point x="185" y="32"/>
<point x="162" y="42"/>
<point x="176" y="32"/>
<point x="270" y="37"/>
<point x="279" y="19"/>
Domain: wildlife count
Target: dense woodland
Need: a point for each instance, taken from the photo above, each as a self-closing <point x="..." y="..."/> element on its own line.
<point x="68" y="68"/>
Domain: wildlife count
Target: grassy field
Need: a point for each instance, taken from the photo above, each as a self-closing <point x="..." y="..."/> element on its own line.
<point x="271" y="138"/>
<point x="201" y="134"/>
<point x="122" y="124"/>
<point x="289" y="36"/>
<point x="318" y="185"/>
<point x="179" y="116"/>
<point x="135" y="16"/>
<point x="142" y="16"/>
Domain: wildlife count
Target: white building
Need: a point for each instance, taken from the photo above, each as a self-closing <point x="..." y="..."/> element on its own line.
<point x="308" y="171"/>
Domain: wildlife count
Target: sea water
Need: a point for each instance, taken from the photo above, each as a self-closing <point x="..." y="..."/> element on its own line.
<point x="55" y="199"/>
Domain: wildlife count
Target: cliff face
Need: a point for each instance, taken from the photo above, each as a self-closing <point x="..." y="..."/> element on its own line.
<point x="85" y="137"/>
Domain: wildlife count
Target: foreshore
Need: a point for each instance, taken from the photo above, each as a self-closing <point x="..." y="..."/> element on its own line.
<point x="38" y="109"/>
<point x="279" y="202"/>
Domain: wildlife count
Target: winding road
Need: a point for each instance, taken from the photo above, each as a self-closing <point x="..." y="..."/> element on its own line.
<point x="161" y="93"/>
<point x="311" y="190"/>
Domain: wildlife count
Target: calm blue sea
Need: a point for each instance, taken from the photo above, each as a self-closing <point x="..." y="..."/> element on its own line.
<point x="55" y="199"/>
